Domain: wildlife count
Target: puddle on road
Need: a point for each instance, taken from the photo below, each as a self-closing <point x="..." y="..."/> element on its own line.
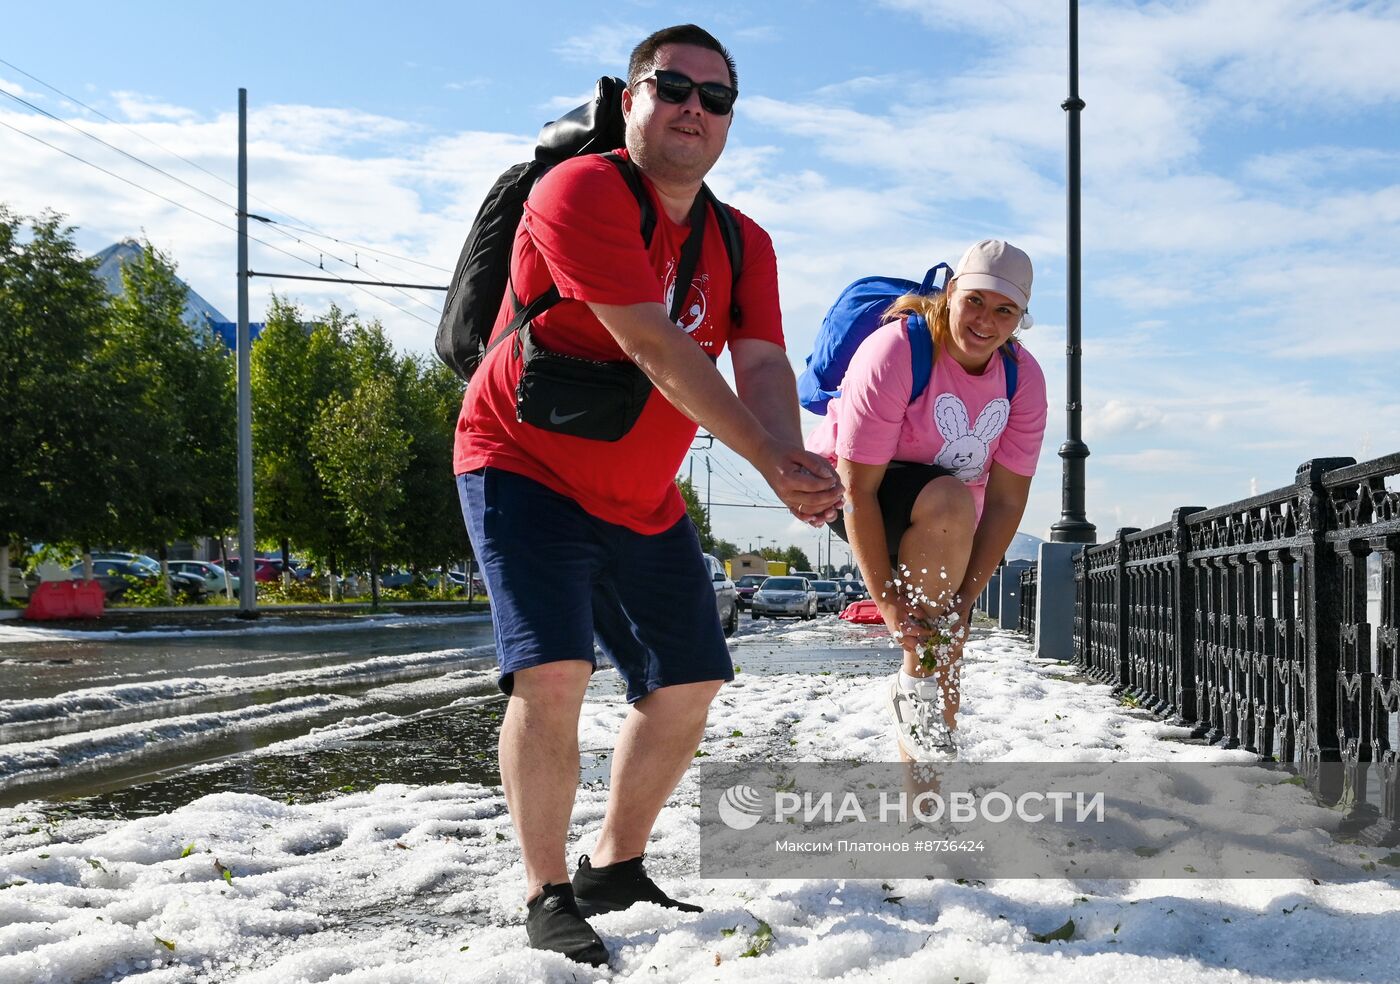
<point x="457" y="745"/>
<point x="454" y="746"/>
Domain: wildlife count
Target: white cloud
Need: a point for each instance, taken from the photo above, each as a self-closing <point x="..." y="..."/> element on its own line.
<point x="140" y="108"/>
<point x="606" y="45"/>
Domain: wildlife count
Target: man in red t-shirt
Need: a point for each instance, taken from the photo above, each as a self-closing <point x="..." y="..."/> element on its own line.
<point x="581" y="539"/>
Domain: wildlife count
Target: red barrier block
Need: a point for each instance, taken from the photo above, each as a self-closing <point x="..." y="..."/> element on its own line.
<point x="65" y="599"/>
<point x="862" y="613"/>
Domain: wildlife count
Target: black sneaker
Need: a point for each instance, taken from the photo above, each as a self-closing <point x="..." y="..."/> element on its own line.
<point x="616" y="886"/>
<point x="553" y="922"/>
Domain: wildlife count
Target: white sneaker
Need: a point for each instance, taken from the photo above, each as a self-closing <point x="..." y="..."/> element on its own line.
<point x="918" y="722"/>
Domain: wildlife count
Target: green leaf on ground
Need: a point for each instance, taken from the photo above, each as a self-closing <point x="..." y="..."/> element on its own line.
<point x="761" y="940"/>
<point x="1393" y="860"/>
<point x="168" y="944"/>
<point x="225" y="873"/>
<point x="1065" y="932"/>
<point x="1147" y="852"/>
<point x="189" y="849"/>
<point x="736" y="733"/>
<point x="96" y="864"/>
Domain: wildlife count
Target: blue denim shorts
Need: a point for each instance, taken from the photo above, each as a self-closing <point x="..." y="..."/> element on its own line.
<point x="559" y="577"/>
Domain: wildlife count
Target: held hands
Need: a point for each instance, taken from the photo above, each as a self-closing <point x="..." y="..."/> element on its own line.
<point x="805" y="482"/>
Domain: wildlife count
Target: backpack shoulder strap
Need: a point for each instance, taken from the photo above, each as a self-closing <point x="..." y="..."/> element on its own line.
<point x="1008" y="362"/>
<point x="733" y="245"/>
<point x="628" y="170"/>
<point x="921" y="352"/>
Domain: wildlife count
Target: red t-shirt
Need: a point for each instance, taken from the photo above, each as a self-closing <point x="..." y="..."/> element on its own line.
<point x="582" y="231"/>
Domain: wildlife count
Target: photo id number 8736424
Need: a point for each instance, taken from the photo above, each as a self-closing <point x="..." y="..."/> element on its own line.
<point x="949" y="846"/>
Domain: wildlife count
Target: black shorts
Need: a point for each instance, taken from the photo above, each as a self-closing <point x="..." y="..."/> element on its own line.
<point x="903" y="482"/>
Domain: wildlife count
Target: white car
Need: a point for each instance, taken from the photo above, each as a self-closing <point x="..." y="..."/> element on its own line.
<point x="726" y="597"/>
<point x="215" y="577"/>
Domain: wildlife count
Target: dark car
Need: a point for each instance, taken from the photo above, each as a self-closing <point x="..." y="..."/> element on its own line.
<point x="116" y="576"/>
<point x="830" y="597"/>
<point x="726" y="597"/>
<point x="854" y="591"/>
<point x="746" y="586"/>
<point x="784" y="595"/>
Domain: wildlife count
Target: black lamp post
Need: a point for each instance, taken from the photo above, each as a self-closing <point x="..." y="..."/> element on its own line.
<point x="1074" y="526"/>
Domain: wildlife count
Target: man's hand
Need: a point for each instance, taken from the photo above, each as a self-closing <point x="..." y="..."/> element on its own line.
<point x="805" y="482"/>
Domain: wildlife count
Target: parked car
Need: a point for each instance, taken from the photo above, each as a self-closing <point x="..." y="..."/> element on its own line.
<point x="785" y="595"/>
<point x="265" y="569"/>
<point x="809" y="575"/>
<point x="459" y="579"/>
<point x="112" y="574"/>
<point x="215" y="578"/>
<point x="726" y="597"/>
<point x="830" y="597"/>
<point x="854" y="591"/>
<point x="746" y="586"/>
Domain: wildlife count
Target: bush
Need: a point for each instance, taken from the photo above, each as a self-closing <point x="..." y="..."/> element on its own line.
<point x="148" y="592"/>
<point x="309" y="592"/>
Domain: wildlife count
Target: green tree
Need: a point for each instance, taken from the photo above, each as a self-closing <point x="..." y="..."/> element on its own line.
<point x="725" y="550"/>
<point x="176" y="451"/>
<point x="361" y="453"/>
<point x="796" y="559"/>
<point x="696" y="512"/>
<point x="432" y="531"/>
<point x="57" y="413"/>
<point x="296" y="369"/>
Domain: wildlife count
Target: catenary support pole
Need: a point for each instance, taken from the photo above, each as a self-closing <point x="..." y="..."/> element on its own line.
<point x="247" y="586"/>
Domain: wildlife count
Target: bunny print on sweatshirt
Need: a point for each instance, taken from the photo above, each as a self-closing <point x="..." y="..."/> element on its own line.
<point x="966" y="448"/>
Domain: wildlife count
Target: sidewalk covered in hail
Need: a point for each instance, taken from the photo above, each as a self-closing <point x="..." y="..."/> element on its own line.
<point x="407" y="885"/>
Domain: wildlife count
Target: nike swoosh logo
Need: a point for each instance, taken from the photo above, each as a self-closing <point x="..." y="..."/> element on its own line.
<point x="556" y="418"/>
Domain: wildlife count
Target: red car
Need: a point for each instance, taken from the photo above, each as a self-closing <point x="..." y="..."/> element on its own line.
<point x="265" y="569"/>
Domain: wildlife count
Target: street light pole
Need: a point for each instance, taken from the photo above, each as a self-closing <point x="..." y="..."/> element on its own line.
<point x="1073" y="526"/>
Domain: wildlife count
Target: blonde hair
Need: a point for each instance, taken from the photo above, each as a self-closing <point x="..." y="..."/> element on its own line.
<point x="933" y="308"/>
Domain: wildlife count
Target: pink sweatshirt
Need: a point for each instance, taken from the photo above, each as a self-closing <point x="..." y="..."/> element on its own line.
<point x="961" y="421"/>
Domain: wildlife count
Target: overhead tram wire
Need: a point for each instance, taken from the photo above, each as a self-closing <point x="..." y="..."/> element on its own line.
<point x="742" y="487"/>
<point x="214" y="198"/>
<point x="198" y="167"/>
<point x="206" y="218"/>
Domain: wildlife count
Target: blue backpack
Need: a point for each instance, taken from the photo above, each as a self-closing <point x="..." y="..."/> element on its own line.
<point x="858" y="311"/>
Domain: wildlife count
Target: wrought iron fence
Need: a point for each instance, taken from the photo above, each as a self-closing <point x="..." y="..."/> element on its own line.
<point x="1268" y="624"/>
<point x="1025" y="622"/>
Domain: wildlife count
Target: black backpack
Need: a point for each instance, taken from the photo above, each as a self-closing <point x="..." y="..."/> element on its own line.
<point x="483" y="269"/>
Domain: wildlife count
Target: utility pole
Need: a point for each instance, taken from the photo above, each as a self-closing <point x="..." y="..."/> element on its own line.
<point x="708" y="517"/>
<point x="1073" y="526"/>
<point x="247" y="585"/>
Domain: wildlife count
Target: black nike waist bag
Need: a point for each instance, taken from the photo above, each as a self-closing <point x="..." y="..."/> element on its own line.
<point x="579" y="397"/>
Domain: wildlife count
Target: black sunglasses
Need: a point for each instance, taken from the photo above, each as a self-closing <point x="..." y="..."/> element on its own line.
<point x="673" y="87"/>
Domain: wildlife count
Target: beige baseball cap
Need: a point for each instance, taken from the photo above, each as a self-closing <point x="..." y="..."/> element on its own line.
<point x="994" y="264"/>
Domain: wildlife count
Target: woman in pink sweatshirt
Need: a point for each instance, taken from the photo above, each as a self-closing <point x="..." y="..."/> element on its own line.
<point x="936" y="486"/>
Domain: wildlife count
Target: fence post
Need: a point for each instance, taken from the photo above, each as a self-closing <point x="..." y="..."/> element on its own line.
<point x="1122" y="610"/>
<point x="1322" y="614"/>
<point x="1183" y="694"/>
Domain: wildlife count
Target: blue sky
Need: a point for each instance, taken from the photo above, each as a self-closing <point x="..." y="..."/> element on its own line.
<point x="1241" y="211"/>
